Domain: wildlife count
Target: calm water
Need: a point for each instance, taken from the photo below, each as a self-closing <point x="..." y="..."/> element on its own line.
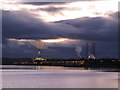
<point x="57" y="77"/>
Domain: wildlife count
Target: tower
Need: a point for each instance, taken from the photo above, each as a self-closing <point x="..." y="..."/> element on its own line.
<point x="91" y="51"/>
<point x="38" y="59"/>
<point x="39" y="53"/>
<point x="87" y="51"/>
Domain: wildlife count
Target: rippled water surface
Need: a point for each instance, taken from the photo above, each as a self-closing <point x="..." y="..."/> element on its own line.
<point x="57" y="77"/>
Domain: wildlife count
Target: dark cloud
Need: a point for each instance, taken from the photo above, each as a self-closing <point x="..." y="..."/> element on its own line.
<point x="25" y="27"/>
<point x="22" y="25"/>
<point x="13" y="49"/>
<point x="52" y="9"/>
<point x="95" y="29"/>
<point x="44" y="3"/>
<point x="115" y="15"/>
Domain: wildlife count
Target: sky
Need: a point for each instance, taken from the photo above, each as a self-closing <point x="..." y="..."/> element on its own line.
<point x="60" y="29"/>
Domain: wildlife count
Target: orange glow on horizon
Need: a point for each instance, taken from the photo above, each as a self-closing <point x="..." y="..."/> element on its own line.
<point x="43" y="40"/>
<point x="55" y="40"/>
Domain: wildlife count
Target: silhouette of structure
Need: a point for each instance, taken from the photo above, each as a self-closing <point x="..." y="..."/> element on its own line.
<point x="39" y="53"/>
<point x="38" y="58"/>
<point x="87" y="54"/>
<point x="91" y="51"/>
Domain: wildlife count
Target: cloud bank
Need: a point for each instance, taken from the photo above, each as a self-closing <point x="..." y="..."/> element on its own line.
<point x="23" y="24"/>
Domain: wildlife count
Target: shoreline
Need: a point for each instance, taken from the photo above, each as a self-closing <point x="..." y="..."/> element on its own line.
<point x="110" y="69"/>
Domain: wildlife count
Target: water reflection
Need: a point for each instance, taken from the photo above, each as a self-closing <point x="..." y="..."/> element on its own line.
<point x="12" y="67"/>
<point x="57" y="77"/>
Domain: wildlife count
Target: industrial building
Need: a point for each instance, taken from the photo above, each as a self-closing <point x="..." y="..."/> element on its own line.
<point x="38" y="59"/>
<point x="90" y="51"/>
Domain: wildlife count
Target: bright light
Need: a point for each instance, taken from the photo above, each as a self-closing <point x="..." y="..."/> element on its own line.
<point x="21" y="40"/>
<point x="55" y="40"/>
<point x="42" y="40"/>
<point x="70" y="10"/>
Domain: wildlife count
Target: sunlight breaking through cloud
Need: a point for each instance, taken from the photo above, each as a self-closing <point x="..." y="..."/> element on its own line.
<point x="69" y="10"/>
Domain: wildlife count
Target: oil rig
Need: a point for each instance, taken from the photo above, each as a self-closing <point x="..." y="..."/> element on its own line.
<point x="39" y="58"/>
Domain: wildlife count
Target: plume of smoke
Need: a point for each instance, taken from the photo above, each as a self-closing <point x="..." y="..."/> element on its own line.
<point x="78" y="50"/>
<point x="39" y="44"/>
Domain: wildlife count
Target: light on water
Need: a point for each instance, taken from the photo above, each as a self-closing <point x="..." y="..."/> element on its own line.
<point x="56" y="77"/>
